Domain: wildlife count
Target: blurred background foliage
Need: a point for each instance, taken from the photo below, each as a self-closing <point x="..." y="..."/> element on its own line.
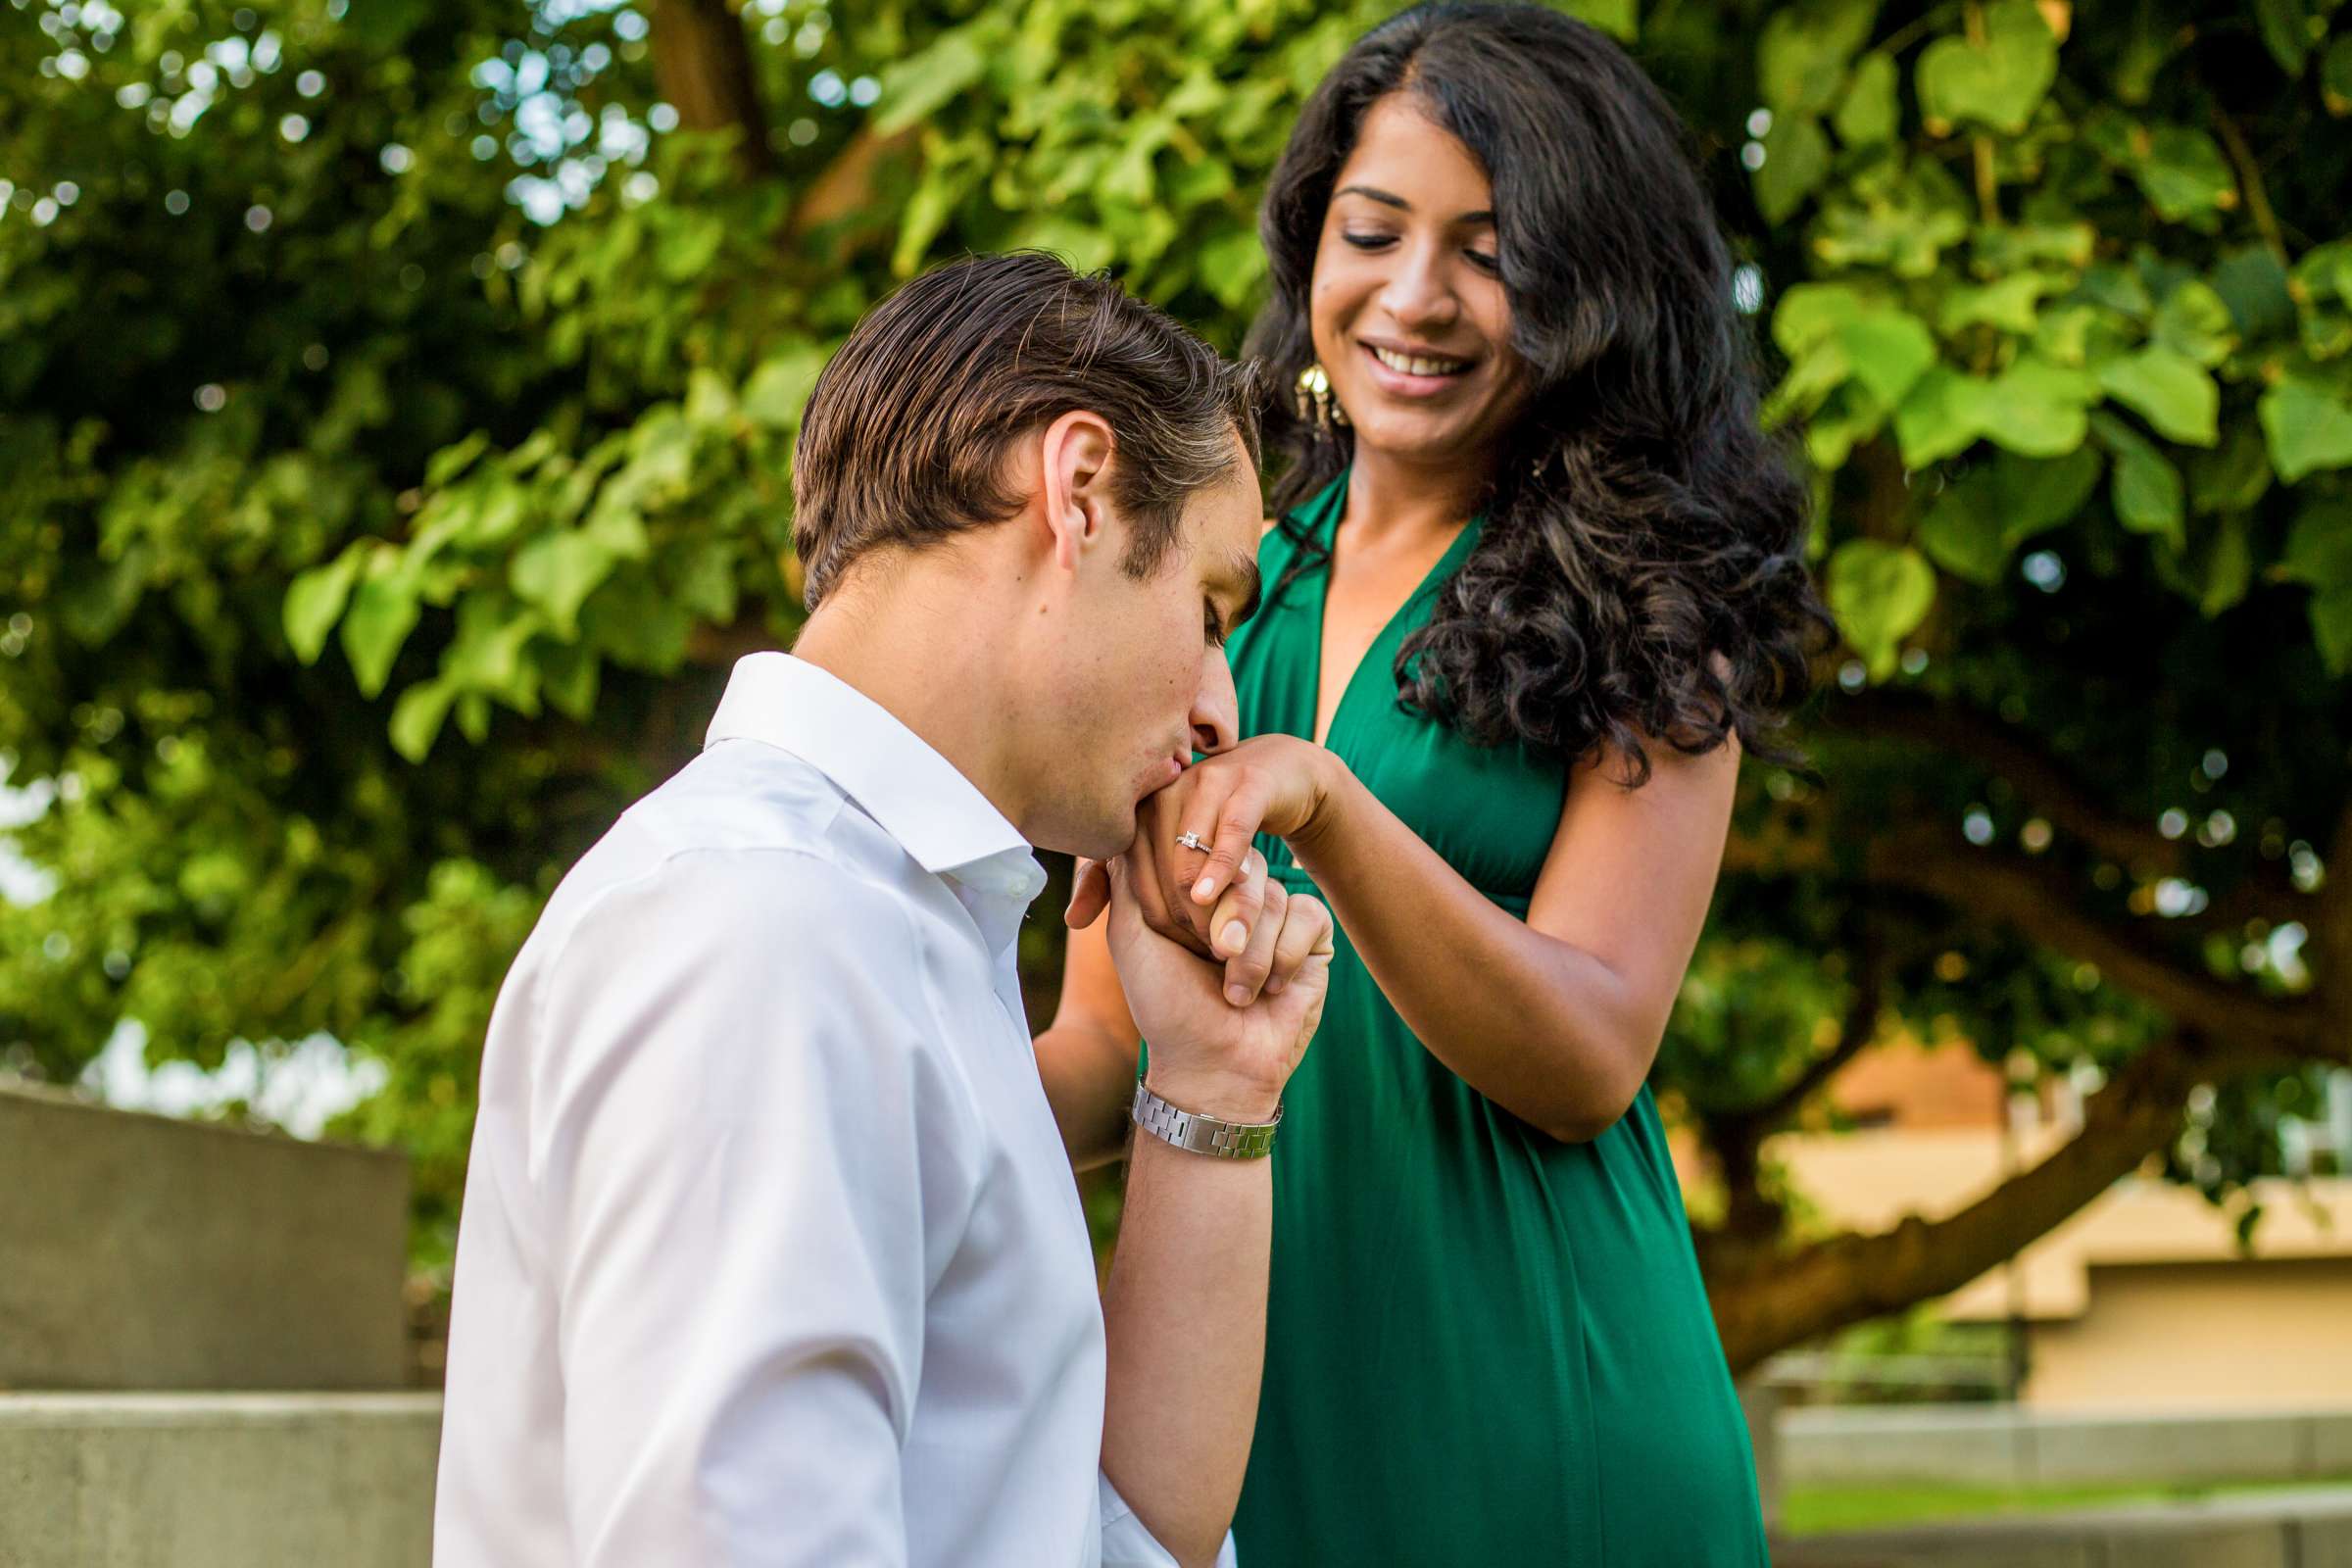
<point x="396" y="411"/>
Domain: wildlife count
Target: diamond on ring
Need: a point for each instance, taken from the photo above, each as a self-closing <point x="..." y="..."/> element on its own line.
<point x="1191" y="841"/>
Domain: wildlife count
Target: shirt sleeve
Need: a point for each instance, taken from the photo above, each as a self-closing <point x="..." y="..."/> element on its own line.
<point x="1126" y="1543"/>
<point x="750" y="1156"/>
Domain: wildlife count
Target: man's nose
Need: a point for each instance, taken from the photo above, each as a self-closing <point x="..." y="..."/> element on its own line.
<point x="1216" y="715"/>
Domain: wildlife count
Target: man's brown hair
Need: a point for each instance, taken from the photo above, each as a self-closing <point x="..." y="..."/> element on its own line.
<point x="905" y="433"/>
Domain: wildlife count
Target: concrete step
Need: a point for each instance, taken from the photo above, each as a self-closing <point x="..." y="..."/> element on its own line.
<point x="2304" y="1527"/>
<point x="2008" y="1446"/>
<point x="217" y="1480"/>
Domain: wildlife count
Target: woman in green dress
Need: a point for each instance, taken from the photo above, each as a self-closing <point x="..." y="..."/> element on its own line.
<point x="1536" y="586"/>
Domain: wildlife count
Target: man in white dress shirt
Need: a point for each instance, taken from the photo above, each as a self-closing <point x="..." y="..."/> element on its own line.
<point x="771" y="1253"/>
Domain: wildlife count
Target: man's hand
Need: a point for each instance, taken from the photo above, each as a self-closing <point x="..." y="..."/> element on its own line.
<point x="1208" y="1054"/>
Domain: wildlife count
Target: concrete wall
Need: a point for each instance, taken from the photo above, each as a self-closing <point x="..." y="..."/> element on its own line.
<point x="2001" y="1445"/>
<point x="139" y="1252"/>
<point x="2225" y="1334"/>
<point x="218" y="1481"/>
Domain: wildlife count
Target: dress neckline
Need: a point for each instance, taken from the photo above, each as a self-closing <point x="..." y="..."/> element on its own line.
<point x="1323" y="516"/>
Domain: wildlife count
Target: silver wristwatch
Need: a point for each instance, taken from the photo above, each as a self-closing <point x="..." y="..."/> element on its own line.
<point x="1204" y="1135"/>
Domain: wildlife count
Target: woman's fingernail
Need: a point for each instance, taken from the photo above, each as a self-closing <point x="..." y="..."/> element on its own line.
<point x="1274" y="987"/>
<point x="1235" y="937"/>
<point x="1205" y="889"/>
<point x="1239" y="996"/>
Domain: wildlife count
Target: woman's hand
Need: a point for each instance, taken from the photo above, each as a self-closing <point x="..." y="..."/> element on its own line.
<point x="1274" y="784"/>
<point x="1219" y="901"/>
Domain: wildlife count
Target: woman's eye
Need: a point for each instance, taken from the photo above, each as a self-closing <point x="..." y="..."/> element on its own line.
<point x="1484" y="261"/>
<point x="1369" y="242"/>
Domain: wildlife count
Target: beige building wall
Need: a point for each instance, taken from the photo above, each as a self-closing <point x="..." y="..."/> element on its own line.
<point x="2215" y="1336"/>
<point x="2144" y="1299"/>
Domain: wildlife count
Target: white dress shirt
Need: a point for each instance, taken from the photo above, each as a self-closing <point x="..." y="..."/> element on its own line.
<point x="770" y="1252"/>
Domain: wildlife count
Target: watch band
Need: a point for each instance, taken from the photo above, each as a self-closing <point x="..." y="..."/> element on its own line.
<point x="1204" y="1135"/>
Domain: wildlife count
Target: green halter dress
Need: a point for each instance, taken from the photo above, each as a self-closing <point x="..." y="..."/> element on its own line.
<point x="1483" y="1347"/>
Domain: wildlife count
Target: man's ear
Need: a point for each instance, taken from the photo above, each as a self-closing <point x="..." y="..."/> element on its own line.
<point x="1075" y="460"/>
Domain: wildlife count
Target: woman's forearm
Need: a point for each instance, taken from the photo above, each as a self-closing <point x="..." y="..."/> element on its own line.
<point x="1090" y="1082"/>
<point x="1546" y="1030"/>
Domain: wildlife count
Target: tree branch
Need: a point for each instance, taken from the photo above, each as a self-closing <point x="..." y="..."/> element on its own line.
<point x="2249" y="180"/>
<point x="2040" y="904"/>
<point x="847" y="186"/>
<point x="1859" y="1028"/>
<point x="1766" y="1303"/>
<point x="2071" y="803"/>
<point x="2331" y="932"/>
<point x="2055" y="788"/>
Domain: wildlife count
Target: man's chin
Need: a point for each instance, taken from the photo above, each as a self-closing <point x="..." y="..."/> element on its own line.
<point x="1099" y="838"/>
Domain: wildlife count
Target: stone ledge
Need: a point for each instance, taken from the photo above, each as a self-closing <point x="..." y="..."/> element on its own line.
<point x="217" y="1480"/>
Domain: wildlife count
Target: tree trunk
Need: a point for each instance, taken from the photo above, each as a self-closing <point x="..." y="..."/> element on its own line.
<point x="703" y="67"/>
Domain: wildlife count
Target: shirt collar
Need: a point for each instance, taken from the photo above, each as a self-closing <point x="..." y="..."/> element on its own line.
<point x="938" y="815"/>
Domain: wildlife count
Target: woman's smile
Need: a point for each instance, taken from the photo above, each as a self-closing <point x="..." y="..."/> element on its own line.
<point x="1412" y="372"/>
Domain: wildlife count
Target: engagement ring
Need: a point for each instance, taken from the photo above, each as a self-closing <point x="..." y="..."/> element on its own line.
<point x="1191" y="841"/>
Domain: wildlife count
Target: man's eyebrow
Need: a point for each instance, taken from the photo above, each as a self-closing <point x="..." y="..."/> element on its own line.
<point x="1483" y="214"/>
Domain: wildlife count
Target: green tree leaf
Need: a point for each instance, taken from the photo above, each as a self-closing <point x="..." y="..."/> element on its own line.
<point x="779" y="388"/>
<point x="2184" y="175"/>
<point x="2252" y="284"/>
<point x="1942" y="415"/>
<point x="2331" y="629"/>
<point x="2228" y="566"/>
<point x="1870" y="114"/>
<point x="315" y="601"/>
<point x="2308" y="427"/>
<point x="916" y="87"/>
<point x="2195" y="322"/>
<point x="2037" y="409"/>
<point x="1801" y="56"/>
<point x="1808" y="313"/>
<point x="2234" y="476"/>
<point x="1999" y="83"/>
<point x="702" y="576"/>
<point x="2285" y="32"/>
<point x="1233" y="265"/>
<point x="2319" y="549"/>
<point x="1620" y="18"/>
<point x="1796" y="157"/>
<point x="2148" y="493"/>
<point x="416" y="717"/>
<point x="2009" y="304"/>
<point x="2335" y="77"/>
<point x="2170" y="391"/>
<point x="1980" y="519"/>
<point x="557" y="572"/>
<point x="1888" y="351"/>
<point x="384" y="611"/>
<point x="1880" y="593"/>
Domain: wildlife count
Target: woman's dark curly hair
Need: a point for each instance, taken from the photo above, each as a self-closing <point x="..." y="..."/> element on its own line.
<point x="1640" y="574"/>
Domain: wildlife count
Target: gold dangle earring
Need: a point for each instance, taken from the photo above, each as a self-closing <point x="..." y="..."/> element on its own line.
<point x="1314" y="401"/>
